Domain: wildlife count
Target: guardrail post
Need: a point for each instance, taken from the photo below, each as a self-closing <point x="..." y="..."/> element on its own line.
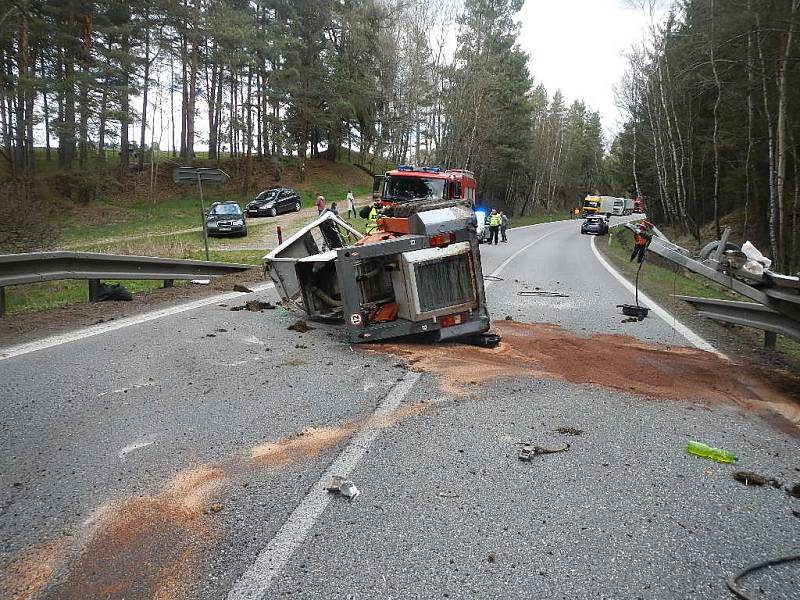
<point x="168" y="283"/>
<point x="770" y="340"/>
<point x="94" y="290"/>
<point x="2" y="301"/>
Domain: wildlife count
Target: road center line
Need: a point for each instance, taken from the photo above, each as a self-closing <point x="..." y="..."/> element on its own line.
<point x="694" y="339"/>
<point x="270" y="562"/>
<point x="505" y="263"/>
<point x="73" y="336"/>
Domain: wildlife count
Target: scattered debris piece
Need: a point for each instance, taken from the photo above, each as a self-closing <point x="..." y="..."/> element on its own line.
<point x="544" y="293"/>
<point x="447" y="494"/>
<point x="343" y="487"/>
<point x="509" y="318"/>
<point x="750" y="478"/>
<point x="301" y="346"/>
<point x="300" y="326"/>
<point x="569" y="431"/>
<point x="222" y="330"/>
<point x="238" y="287"/>
<point x="528" y="451"/>
<point x="492" y="557"/>
<point x="492" y="278"/>
<point x="211" y="335"/>
<point x="115" y="292"/>
<point x="630" y="320"/>
<point x="704" y="451"/>
<point x="335" y="486"/>
<point x="200" y="281"/>
<point x="254" y="306"/>
<point x="795" y="491"/>
<point x="635" y="311"/>
<point x="215" y="508"/>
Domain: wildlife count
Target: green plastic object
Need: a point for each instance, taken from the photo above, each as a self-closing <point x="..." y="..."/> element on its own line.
<point x="701" y="449"/>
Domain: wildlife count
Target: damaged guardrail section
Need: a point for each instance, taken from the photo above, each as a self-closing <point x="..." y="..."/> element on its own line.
<point x="18" y="269"/>
<point x="776" y="306"/>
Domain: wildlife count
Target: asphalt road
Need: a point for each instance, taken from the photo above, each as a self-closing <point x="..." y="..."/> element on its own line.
<point x="138" y="464"/>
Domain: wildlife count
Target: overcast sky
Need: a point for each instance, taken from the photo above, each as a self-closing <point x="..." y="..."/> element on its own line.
<point x="576" y="46"/>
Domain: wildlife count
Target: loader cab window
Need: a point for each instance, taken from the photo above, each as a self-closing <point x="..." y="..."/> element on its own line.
<point x="403" y="189"/>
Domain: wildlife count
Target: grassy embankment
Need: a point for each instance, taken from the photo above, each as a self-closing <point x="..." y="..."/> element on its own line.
<point x="661" y="280"/>
<point x="123" y="222"/>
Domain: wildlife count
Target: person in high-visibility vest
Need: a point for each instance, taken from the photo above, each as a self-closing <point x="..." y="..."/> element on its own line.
<point x="372" y="219"/>
<point x="495" y="220"/>
<point x="642" y="236"/>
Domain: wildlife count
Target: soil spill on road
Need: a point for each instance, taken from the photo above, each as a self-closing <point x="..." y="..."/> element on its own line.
<point x="309" y="443"/>
<point x="613" y="361"/>
<point x="29" y="574"/>
<point x="146" y="547"/>
<point x="152" y="547"/>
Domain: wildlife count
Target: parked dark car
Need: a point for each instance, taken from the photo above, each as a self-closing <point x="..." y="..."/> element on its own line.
<point x="226" y="218"/>
<point x="274" y="201"/>
<point x="595" y="224"/>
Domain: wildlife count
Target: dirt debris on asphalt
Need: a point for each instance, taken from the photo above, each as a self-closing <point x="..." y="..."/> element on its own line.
<point x="300" y="326"/>
<point x="238" y="287"/>
<point x="649" y="370"/>
<point x="254" y="306"/>
<point x="750" y="478"/>
<point x="148" y="546"/>
<point x="28" y="575"/>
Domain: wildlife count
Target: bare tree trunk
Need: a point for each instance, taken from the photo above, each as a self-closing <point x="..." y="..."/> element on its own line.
<point x="145" y="87"/>
<point x="46" y="114"/>
<point x="773" y="194"/>
<point x="192" y="101"/>
<point x="782" y="133"/>
<point x="715" y="137"/>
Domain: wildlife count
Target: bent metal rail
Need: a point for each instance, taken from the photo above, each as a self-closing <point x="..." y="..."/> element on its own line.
<point x="18" y="269"/>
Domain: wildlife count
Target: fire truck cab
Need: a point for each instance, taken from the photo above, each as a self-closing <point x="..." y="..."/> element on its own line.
<point x="407" y="183"/>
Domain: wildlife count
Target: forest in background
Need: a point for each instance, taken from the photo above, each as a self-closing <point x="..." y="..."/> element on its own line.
<point x="91" y="89"/>
<point x="428" y="82"/>
<point x="712" y="99"/>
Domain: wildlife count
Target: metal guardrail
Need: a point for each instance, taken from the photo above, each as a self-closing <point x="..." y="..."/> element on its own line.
<point x="18" y="269"/>
<point x="776" y="309"/>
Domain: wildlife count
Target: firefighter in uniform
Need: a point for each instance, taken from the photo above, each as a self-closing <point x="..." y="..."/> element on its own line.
<point x="372" y="219"/>
<point x="495" y="220"/>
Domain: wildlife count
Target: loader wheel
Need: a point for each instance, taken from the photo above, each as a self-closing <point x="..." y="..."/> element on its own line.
<point x="711" y="247"/>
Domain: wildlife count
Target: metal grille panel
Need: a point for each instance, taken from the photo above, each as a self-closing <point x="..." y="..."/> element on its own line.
<point x="444" y="283"/>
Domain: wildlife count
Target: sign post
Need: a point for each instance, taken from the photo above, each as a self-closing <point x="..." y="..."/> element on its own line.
<point x="199" y="175"/>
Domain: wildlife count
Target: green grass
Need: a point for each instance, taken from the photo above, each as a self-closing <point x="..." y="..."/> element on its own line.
<point x="53" y="294"/>
<point x="664" y="281"/>
<point x="534" y="219"/>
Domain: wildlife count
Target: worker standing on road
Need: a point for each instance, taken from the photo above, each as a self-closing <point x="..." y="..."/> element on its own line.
<point x="503" y="226"/>
<point x="495" y="220"/>
<point x="320" y="204"/>
<point x="372" y="219"/>
<point x="351" y="204"/>
<point x="642" y="236"/>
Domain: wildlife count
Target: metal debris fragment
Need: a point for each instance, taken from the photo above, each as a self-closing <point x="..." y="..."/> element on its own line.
<point x="528" y="451"/>
<point x="544" y="293"/>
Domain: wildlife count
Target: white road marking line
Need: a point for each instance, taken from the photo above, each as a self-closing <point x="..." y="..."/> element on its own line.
<point x="131" y="447"/>
<point x="270" y="562"/>
<point x="72" y="336"/>
<point x="694" y="339"/>
<point x="127" y="389"/>
<point x="505" y="263"/>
